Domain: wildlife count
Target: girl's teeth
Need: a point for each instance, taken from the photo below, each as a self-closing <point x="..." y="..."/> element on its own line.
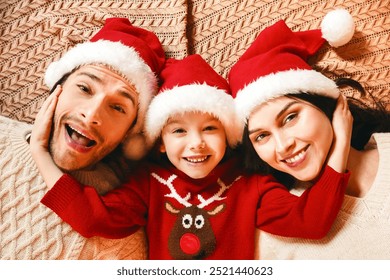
<point x="195" y="160"/>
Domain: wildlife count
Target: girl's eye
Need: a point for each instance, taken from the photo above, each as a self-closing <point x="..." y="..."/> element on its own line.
<point x="179" y="130"/>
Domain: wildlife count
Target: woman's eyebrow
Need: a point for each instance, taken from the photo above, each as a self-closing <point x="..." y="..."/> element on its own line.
<point x="285" y="108"/>
<point x="250" y="132"/>
<point x="281" y="112"/>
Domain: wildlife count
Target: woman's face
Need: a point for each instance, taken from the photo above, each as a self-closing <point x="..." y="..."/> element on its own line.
<point x="292" y="136"/>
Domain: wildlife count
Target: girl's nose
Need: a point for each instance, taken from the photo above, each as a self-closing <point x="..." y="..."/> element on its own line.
<point x="197" y="142"/>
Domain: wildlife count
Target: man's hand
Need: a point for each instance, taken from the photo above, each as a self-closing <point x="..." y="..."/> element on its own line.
<point x="40" y="135"/>
<point x="39" y="141"/>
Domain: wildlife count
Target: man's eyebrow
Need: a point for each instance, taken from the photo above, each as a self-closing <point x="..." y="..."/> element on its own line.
<point x="281" y="112"/>
<point x="128" y="96"/>
<point x="121" y="92"/>
<point x="90" y="75"/>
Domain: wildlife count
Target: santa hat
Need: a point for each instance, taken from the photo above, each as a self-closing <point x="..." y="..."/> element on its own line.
<point x="276" y="63"/>
<point x="134" y="52"/>
<point x="191" y="85"/>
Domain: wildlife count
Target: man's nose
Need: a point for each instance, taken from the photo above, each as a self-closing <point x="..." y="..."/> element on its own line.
<point x="92" y="111"/>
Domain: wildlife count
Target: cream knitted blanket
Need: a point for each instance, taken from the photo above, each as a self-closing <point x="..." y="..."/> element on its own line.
<point x="29" y="230"/>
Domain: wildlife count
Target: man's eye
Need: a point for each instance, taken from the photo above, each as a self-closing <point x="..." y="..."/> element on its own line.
<point x="84" y="88"/>
<point x="118" y="108"/>
<point x="210" y="128"/>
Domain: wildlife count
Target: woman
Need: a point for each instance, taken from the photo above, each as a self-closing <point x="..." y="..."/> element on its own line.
<point x="287" y="109"/>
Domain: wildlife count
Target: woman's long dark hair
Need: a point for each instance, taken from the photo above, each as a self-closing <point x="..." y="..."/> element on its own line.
<point x="366" y="121"/>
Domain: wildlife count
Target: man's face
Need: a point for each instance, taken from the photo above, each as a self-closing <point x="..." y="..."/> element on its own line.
<point x="94" y="112"/>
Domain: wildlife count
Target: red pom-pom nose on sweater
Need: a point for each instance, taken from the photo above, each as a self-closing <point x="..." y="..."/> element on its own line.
<point x="189" y="243"/>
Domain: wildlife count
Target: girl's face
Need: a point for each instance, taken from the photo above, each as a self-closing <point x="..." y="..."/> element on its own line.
<point x="292" y="136"/>
<point x="194" y="143"/>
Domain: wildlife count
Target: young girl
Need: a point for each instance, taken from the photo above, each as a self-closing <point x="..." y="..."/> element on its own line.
<point x="197" y="203"/>
<point x="292" y="122"/>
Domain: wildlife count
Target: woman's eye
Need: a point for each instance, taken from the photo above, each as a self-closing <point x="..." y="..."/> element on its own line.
<point x="290" y="117"/>
<point x="260" y="137"/>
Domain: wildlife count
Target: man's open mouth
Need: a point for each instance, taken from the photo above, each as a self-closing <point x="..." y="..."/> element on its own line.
<point x="78" y="137"/>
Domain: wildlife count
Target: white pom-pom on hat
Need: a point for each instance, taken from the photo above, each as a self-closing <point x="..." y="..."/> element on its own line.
<point x="338" y="27"/>
<point x="273" y="67"/>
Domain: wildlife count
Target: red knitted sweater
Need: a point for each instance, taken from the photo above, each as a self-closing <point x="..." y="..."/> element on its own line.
<point x="210" y="218"/>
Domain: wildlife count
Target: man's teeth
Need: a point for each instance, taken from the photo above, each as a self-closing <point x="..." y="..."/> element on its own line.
<point x="79" y="132"/>
<point x="80" y="138"/>
<point x="198" y="159"/>
<point x="295" y="158"/>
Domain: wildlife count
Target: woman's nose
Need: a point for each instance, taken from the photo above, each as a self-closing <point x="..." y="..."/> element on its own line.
<point x="284" y="143"/>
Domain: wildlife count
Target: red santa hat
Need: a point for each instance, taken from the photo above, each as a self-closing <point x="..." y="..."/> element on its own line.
<point x="191" y="85"/>
<point x="133" y="52"/>
<point x="276" y="63"/>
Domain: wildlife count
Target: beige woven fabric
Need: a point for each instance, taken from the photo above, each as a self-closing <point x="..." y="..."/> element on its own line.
<point x="222" y="30"/>
<point x="34" y="33"/>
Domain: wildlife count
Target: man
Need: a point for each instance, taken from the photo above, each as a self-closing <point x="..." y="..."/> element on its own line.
<point x="104" y="87"/>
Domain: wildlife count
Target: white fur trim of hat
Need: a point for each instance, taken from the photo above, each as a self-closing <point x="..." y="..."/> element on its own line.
<point x="192" y="98"/>
<point x="282" y="83"/>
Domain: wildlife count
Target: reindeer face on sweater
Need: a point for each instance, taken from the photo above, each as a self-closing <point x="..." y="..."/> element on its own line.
<point x="192" y="236"/>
